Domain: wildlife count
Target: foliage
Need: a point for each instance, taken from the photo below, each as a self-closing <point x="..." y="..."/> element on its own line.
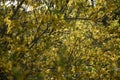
<point x="59" y="40"/>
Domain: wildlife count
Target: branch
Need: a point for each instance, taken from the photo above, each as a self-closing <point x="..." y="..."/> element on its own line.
<point x="77" y="19"/>
<point x="16" y="10"/>
<point x="35" y="40"/>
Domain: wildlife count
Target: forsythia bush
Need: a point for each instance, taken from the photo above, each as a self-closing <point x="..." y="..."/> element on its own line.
<point x="59" y="40"/>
